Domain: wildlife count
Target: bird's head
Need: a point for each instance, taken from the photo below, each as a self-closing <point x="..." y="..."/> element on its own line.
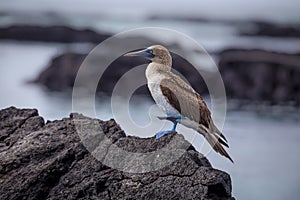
<point x="156" y="53"/>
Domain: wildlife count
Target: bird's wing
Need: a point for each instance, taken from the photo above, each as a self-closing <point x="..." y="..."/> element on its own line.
<point x="190" y="104"/>
<point x="185" y="99"/>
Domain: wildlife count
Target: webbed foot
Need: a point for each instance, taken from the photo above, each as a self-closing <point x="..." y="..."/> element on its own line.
<point x="174" y="119"/>
<point x="162" y="133"/>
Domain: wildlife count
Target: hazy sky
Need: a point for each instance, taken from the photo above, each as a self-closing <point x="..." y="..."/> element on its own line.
<point x="279" y="10"/>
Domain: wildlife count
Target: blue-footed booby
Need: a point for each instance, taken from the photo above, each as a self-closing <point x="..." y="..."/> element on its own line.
<point x="181" y="103"/>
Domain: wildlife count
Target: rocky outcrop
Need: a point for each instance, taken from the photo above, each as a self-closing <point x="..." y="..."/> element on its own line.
<point x="48" y="161"/>
<point x="261" y="75"/>
<point x="61" y="34"/>
<point x="61" y="72"/>
<point x="255" y="75"/>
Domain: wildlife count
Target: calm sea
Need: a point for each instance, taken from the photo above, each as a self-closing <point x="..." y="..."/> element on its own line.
<point x="264" y="146"/>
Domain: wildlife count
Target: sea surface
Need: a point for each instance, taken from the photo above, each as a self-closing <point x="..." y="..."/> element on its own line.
<point x="264" y="141"/>
<point x="264" y="145"/>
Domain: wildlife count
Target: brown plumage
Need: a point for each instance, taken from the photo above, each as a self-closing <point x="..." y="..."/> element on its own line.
<point x="183" y="99"/>
<point x="176" y="97"/>
<point x="190" y="104"/>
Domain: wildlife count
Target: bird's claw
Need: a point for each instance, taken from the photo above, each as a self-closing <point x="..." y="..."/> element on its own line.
<point x="162" y="133"/>
<point x="174" y="119"/>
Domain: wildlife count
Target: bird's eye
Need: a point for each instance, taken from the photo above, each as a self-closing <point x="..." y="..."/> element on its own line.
<point x="151" y="51"/>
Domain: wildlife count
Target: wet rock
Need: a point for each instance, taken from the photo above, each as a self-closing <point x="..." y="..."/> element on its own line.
<point x="49" y="161"/>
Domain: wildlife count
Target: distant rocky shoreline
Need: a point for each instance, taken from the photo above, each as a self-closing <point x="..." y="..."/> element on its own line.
<point x="62" y="34"/>
<point x="248" y="28"/>
<point x="65" y="34"/>
<point x="260" y="75"/>
<point x="248" y="74"/>
<point x="254" y="75"/>
<point x="273" y="30"/>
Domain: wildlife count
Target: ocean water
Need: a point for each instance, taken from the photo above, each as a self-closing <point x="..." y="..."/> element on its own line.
<point x="265" y="146"/>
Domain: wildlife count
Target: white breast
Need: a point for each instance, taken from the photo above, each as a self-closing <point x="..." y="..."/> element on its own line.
<point x="153" y="81"/>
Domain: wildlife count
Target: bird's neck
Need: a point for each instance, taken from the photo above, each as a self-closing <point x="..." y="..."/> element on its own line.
<point x="154" y="69"/>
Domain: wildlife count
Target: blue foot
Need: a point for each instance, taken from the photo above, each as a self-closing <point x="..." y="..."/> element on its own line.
<point x="162" y="133"/>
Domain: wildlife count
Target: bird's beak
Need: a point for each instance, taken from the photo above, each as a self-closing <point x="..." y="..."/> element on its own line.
<point x="143" y="53"/>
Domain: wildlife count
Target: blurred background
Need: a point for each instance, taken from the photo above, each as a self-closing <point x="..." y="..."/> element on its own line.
<point x="255" y="44"/>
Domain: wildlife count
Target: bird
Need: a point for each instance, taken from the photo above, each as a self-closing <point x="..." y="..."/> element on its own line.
<point x="177" y="99"/>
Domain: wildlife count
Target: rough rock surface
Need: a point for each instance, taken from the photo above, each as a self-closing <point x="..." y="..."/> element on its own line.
<point x="49" y="161"/>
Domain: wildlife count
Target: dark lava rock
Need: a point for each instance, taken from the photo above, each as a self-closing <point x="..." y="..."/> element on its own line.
<point x="49" y="161"/>
<point x="60" y="74"/>
<point x="261" y="75"/>
<point x="255" y="75"/>
<point x="51" y="34"/>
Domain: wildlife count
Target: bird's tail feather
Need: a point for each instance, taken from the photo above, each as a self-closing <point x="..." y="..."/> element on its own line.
<point x="216" y="143"/>
<point x="218" y="132"/>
